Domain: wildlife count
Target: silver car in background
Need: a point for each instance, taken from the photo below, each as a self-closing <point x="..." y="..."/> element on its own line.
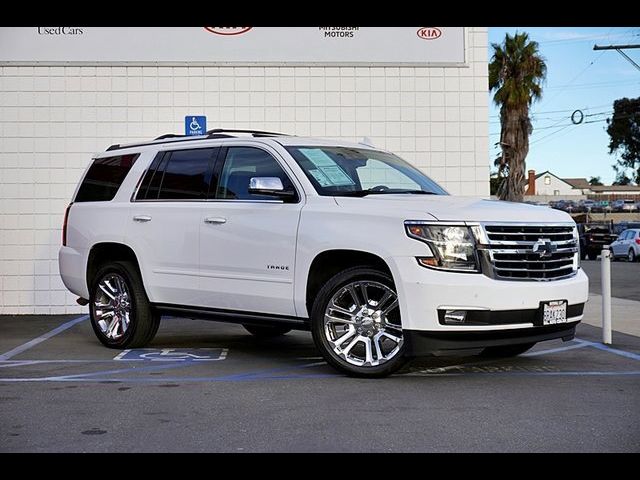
<point x="627" y="245"/>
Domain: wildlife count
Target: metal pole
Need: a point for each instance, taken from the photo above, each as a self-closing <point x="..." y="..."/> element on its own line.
<point x="606" y="295"/>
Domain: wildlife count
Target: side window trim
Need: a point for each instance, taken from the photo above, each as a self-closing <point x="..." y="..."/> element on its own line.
<point x="222" y="158"/>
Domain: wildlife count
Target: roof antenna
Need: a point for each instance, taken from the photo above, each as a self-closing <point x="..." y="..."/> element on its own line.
<point x="368" y="142"/>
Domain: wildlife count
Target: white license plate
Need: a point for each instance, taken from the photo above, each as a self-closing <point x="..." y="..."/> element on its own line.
<point x="554" y="312"/>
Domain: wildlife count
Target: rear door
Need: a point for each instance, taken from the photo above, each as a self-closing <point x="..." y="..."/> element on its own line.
<point x="247" y="241"/>
<point x="165" y="221"/>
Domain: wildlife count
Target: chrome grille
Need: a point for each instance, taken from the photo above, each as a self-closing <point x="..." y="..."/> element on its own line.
<point x="508" y="252"/>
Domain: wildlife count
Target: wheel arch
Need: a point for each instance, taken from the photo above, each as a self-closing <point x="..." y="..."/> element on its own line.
<point x="104" y="252"/>
<point x="329" y="262"/>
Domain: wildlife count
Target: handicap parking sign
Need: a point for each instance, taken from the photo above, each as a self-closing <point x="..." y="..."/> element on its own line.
<point x="194" y="125"/>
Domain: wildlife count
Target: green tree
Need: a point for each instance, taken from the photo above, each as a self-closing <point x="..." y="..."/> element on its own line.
<point x="624" y="131"/>
<point x="595" y="181"/>
<point x="516" y="73"/>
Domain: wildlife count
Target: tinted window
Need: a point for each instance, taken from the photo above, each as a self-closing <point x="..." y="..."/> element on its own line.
<point x="243" y="163"/>
<point x="182" y="175"/>
<point x="150" y="185"/>
<point x="104" y="177"/>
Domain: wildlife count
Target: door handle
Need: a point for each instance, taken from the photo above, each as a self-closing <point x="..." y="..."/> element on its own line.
<point x="142" y="218"/>
<point x="215" y="220"/>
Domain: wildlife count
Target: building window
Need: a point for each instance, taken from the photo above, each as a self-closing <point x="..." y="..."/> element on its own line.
<point x="556" y="192"/>
<point x="547" y="180"/>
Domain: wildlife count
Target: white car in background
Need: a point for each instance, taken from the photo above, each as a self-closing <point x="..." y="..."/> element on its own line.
<point x="627" y="245"/>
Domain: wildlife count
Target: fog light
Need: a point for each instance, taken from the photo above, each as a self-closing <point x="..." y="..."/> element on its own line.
<point x="454" y="317"/>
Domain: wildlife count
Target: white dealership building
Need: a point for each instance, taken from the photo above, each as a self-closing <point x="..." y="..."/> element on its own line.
<point x="68" y="92"/>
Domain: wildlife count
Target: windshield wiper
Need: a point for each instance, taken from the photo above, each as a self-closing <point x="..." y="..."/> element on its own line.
<point x="364" y="193"/>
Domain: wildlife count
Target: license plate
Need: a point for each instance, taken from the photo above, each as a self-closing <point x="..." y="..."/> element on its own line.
<point x="554" y="312"/>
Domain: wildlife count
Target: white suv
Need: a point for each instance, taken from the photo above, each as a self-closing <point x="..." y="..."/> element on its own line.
<point x="279" y="232"/>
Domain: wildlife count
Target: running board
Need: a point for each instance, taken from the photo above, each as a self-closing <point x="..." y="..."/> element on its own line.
<point x="234" y="316"/>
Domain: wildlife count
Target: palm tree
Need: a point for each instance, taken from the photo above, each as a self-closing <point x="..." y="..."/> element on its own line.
<point x="516" y="73"/>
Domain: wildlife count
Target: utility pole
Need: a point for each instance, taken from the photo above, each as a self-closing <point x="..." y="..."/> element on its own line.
<point x="619" y="49"/>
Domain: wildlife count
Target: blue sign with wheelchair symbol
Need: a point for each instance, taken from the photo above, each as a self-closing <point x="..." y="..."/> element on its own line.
<point x="194" y="125"/>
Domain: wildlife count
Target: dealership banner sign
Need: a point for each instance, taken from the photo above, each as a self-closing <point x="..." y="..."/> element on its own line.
<point x="234" y="45"/>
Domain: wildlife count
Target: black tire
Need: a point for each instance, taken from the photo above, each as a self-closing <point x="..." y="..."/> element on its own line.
<point x="337" y="282"/>
<point x="144" y="321"/>
<point x="266" y="331"/>
<point x="506" y="351"/>
<point x="583" y="256"/>
<point x="593" y="255"/>
<point x="631" y="257"/>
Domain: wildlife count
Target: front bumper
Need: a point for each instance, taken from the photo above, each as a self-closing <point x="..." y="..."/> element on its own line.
<point x="423" y="293"/>
<point x="420" y="343"/>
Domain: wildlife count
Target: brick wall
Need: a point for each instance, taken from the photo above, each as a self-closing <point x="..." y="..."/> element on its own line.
<point x="52" y="118"/>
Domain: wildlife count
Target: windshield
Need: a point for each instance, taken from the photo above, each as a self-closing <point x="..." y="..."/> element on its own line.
<point x="341" y="171"/>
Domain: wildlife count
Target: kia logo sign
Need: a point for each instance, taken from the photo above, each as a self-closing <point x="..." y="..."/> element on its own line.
<point x="228" y="30"/>
<point x="429" y="33"/>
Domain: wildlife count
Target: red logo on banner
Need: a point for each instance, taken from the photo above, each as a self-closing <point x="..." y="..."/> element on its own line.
<point x="228" y="30"/>
<point x="429" y="33"/>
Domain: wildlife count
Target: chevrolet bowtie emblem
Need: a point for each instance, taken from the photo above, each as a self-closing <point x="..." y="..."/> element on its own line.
<point x="545" y="248"/>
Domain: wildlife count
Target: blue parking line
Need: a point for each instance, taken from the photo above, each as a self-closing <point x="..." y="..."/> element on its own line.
<point x="42" y="338"/>
<point x="555" y="350"/>
<point x="605" y="348"/>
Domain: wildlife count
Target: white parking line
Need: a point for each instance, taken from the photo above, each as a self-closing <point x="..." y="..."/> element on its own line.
<point x="42" y="338"/>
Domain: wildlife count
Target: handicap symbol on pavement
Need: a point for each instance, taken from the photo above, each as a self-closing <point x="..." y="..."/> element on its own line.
<point x="174" y="354"/>
<point x="195" y="125"/>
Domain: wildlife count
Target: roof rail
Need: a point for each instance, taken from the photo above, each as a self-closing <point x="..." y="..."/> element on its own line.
<point x="255" y="133"/>
<point x="209" y="135"/>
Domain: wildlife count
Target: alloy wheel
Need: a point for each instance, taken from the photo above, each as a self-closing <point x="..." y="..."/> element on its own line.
<point x="362" y="324"/>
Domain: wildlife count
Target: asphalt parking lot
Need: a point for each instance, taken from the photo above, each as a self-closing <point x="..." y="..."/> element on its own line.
<point x="212" y="387"/>
<point x="625" y="278"/>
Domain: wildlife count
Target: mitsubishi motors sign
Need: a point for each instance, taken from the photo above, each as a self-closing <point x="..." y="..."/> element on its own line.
<point x="442" y="46"/>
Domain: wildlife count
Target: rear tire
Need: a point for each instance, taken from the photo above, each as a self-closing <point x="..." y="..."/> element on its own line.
<point x="593" y="255"/>
<point x="368" y="324"/>
<point x="506" y="351"/>
<point x="631" y="256"/>
<point x="266" y="331"/>
<point x="143" y="321"/>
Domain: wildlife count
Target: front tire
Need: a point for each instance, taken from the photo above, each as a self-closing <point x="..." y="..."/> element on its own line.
<point x="120" y="312"/>
<point x="593" y="255"/>
<point x="355" y="323"/>
<point x="506" y="351"/>
<point x="266" y="331"/>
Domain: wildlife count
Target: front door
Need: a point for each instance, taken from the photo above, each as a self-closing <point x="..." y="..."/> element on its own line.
<point x="247" y="241"/>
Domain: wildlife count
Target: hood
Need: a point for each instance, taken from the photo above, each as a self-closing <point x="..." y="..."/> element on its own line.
<point x="450" y="208"/>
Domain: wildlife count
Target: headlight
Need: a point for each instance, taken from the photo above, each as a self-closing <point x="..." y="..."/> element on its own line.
<point x="453" y="246"/>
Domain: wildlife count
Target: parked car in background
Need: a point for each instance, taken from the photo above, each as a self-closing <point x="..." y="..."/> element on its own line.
<point x="589" y="204"/>
<point x="624" y="206"/>
<point x="620" y="227"/>
<point x="593" y="237"/>
<point x="627" y="245"/>
<point x="629" y="206"/>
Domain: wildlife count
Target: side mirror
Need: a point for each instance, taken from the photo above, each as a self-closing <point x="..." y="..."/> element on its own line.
<point x="270" y="186"/>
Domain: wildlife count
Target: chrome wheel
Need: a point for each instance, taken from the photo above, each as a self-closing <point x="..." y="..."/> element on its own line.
<point x="362" y="324"/>
<point x="112" y="306"/>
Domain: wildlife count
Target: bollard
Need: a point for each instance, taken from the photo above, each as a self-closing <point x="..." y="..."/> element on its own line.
<point x="606" y="295"/>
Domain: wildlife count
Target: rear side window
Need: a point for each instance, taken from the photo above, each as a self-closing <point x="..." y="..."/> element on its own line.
<point x="104" y="177"/>
<point x="179" y="175"/>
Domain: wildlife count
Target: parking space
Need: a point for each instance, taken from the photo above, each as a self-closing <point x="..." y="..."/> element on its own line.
<point x="205" y="386"/>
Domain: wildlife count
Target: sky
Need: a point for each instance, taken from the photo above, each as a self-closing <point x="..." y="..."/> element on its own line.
<point x="578" y="78"/>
